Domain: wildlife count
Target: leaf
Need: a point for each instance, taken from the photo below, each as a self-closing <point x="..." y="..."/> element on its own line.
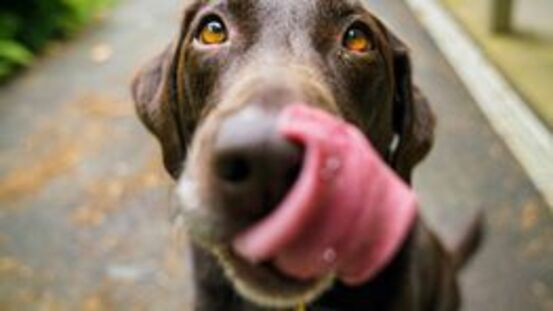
<point x="15" y="52"/>
<point x="5" y="69"/>
<point x="9" y="25"/>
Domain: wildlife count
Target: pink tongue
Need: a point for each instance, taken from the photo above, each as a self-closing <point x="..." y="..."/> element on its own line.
<point x="348" y="212"/>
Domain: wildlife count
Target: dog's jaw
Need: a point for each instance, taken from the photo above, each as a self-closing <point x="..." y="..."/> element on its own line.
<point x="260" y="284"/>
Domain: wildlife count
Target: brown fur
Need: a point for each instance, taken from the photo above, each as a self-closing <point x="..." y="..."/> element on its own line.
<point x="184" y="92"/>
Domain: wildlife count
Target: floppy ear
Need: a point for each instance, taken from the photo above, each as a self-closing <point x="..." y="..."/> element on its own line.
<point x="414" y="120"/>
<point x="159" y="102"/>
<point x="154" y="102"/>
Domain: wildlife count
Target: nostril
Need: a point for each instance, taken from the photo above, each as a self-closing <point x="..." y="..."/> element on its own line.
<point x="233" y="169"/>
<point x="293" y="172"/>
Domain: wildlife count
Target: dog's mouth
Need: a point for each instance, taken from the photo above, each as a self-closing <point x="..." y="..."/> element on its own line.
<point x="265" y="285"/>
<point x="344" y="217"/>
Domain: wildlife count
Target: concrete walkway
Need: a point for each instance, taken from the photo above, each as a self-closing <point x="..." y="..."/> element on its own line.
<point x="84" y="200"/>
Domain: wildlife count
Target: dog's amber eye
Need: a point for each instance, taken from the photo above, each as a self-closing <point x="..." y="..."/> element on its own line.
<point x="213" y="32"/>
<point x="357" y="40"/>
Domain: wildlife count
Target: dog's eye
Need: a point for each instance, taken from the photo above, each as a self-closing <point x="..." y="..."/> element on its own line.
<point x="212" y="31"/>
<point x="357" y="40"/>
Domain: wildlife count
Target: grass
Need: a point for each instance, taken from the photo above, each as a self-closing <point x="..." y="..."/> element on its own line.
<point x="525" y="56"/>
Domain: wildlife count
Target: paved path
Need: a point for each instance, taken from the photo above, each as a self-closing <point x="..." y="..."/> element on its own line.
<point x="83" y="198"/>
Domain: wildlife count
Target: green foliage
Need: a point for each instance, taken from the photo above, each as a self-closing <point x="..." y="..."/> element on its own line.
<point x="27" y="25"/>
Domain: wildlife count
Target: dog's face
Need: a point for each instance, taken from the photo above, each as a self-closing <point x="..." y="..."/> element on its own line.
<point x="219" y="88"/>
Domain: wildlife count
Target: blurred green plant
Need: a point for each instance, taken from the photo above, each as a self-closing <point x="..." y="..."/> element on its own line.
<point x="27" y="25"/>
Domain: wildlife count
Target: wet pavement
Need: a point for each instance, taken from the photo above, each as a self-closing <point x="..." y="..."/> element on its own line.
<point x="84" y="199"/>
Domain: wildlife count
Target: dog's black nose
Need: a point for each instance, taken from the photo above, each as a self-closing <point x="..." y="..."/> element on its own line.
<point x="254" y="166"/>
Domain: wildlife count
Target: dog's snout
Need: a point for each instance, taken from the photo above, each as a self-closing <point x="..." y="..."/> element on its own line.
<point x="253" y="166"/>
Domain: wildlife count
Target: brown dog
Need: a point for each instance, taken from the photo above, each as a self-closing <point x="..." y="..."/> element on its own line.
<point x="215" y="92"/>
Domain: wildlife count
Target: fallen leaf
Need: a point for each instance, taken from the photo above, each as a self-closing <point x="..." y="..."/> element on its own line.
<point x="101" y="53"/>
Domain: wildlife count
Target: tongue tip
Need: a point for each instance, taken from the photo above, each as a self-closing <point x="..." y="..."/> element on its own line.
<point x="261" y="241"/>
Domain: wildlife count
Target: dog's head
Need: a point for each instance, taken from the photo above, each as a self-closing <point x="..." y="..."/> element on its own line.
<point x="213" y="96"/>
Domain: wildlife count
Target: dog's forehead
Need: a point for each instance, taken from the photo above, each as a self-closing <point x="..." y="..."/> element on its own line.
<point x="288" y="10"/>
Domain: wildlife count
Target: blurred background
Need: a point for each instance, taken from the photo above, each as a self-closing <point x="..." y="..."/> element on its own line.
<point x="84" y="200"/>
<point x="518" y="36"/>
